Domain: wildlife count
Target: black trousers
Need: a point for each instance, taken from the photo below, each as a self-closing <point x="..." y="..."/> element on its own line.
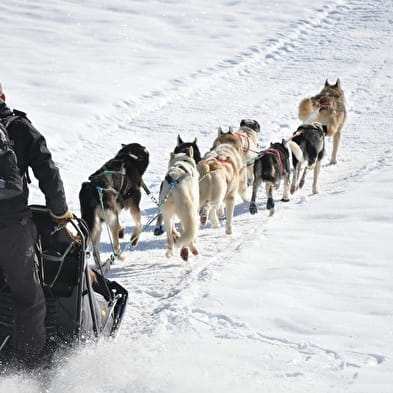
<point x="17" y="258"/>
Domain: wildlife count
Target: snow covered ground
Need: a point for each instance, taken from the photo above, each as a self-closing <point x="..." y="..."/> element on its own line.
<point x="297" y="302"/>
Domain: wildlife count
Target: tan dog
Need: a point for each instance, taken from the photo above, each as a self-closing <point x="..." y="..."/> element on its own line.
<point x="326" y="108"/>
<point x="245" y="141"/>
<point x="222" y="177"/>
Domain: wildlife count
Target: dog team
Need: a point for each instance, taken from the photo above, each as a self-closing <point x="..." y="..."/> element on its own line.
<point x="196" y="189"/>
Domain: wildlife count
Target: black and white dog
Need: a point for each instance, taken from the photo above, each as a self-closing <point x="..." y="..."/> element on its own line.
<point x="270" y="167"/>
<point x="250" y="123"/>
<point x="181" y="147"/>
<point x="308" y="147"/>
<point x="115" y="186"/>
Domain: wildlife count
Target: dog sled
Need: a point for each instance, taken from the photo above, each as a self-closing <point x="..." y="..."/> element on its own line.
<point x="82" y="305"/>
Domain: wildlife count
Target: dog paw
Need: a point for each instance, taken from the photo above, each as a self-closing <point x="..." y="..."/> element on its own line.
<point x="270" y="204"/>
<point x="333" y="162"/>
<point x="293" y="189"/>
<point x="158" y="230"/>
<point x="271" y="211"/>
<point x="184" y="254"/>
<point x="121" y="233"/>
<point x="253" y="208"/>
<point x="203" y="219"/>
<point x="169" y="253"/>
<point x="284" y="199"/>
<point x="301" y="184"/>
<point x="194" y="251"/>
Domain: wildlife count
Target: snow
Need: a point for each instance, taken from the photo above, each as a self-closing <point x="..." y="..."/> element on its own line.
<point x="297" y="302"/>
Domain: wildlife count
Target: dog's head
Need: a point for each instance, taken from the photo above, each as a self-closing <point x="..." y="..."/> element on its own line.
<point x="334" y="90"/>
<point x="250" y="123"/>
<point x="135" y="154"/>
<point x="227" y="138"/>
<point x="182" y="147"/>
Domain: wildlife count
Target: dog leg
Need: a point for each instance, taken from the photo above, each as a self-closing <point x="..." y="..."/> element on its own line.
<point x="168" y="222"/>
<point x="159" y="229"/>
<point x="115" y="227"/>
<point x="336" y="142"/>
<point x="204" y="213"/>
<point x="136" y="215"/>
<point x="121" y="232"/>
<point x="316" y="175"/>
<point x="221" y="213"/>
<point x="230" y="207"/>
<point x="250" y="175"/>
<point x="285" y="195"/>
<point x="214" y="221"/>
<point x="270" y="200"/>
<point x="184" y="254"/>
<point x="253" y="207"/>
<point x="303" y="179"/>
<point x="194" y="249"/>
<point x="295" y="177"/>
<point x="243" y="189"/>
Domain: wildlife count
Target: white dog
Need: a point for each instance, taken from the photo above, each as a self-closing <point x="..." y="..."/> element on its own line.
<point x="179" y="196"/>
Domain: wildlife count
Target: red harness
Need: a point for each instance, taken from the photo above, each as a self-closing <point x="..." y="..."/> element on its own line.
<point x="278" y="154"/>
<point x="240" y="136"/>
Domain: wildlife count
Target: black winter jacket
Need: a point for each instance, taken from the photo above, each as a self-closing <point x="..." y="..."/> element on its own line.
<point x="31" y="151"/>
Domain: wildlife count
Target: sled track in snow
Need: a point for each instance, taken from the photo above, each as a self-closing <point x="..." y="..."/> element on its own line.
<point x="163" y="292"/>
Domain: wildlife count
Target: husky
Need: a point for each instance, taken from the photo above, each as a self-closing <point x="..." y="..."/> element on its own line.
<point x="222" y="177"/>
<point x="179" y="196"/>
<point x="115" y="186"/>
<point x="326" y="108"/>
<point x="307" y="146"/>
<point x="181" y="147"/>
<point x="250" y="123"/>
<point x="245" y="140"/>
<point x="270" y="167"/>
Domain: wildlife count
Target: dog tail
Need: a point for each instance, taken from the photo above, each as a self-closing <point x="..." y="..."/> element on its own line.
<point x="305" y="108"/>
<point x="88" y="204"/>
<point x="296" y="151"/>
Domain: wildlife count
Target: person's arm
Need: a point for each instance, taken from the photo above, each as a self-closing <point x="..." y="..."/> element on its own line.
<point x="40" y="160"/>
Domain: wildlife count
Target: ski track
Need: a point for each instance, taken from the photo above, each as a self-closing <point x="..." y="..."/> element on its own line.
<point x="163" y="292"/>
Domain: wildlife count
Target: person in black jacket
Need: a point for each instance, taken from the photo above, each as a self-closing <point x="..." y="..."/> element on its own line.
<point x="18" y="233"/>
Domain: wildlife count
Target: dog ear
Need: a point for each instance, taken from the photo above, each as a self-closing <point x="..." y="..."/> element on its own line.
<point x="195" y="140"/>
<point x="179" y="140"/>
<point x="220" y="132"/>
<point x="326" y="83"/>
<point x="325" y="129"/>
<point x="190" y="152"/>
<point x="123" y="145"/>
<point x="338" y="83"/>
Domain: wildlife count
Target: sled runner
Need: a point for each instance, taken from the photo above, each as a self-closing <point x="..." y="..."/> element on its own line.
<point x="82" y="305"/>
